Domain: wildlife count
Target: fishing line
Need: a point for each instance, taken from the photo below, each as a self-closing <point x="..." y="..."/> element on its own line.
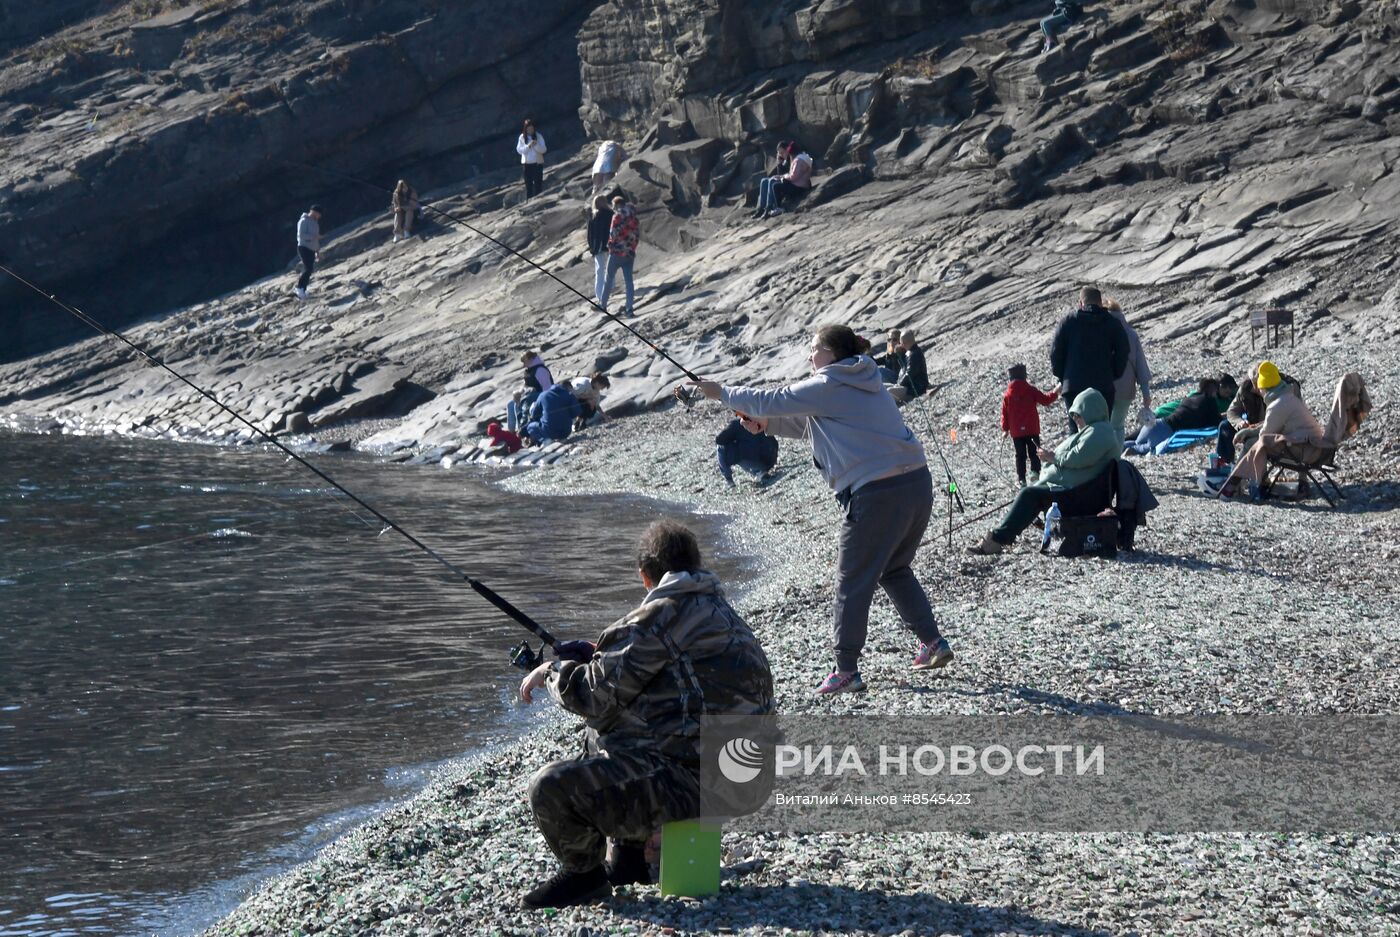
<point x="592" y="301"/>
<point x="213" y="535"/>
<point x="477" y="586"/>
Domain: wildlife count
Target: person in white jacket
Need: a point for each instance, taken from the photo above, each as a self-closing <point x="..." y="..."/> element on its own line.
<point x="880" y="475"/>
<point x="531" y="148"/>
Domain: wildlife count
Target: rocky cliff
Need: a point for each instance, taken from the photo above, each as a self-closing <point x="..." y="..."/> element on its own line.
<point x="150" y="154"/>
<point x="1197" y="159"/>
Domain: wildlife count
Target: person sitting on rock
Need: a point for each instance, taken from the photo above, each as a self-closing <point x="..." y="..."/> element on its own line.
<point x="1200" y="410"/>
<point x="588" y="391"/>
<point x="503" y="441"/>
<point x="1075" y="463"/>
<point x="892" y="361"/>
<point x="765" y="185"/>
<point x="605" y="166"/>
<point x="552" y="415"/>
<point x="1287" y="422"/>
<point x="795" y="184"/>
<point x="1065" y="14"/>
<point x="913" y="379"/>
<point x="755" y="453"/>
<point x="537" y="380"/>
<point x="654" y="675"/>
<point x="405" y="208"/>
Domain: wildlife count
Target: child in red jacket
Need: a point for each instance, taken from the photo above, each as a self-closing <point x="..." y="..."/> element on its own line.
<point x="1021" y="420"/>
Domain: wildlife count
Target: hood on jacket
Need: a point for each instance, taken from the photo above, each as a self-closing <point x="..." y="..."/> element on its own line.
<point x="534" y="362"/>
<point x="1091" y="405"/>
<point x="860" y="372"/>
<point x="685" y="583"/>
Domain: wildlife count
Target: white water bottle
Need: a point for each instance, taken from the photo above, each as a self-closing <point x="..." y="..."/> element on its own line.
<point x="1052" y="517"/>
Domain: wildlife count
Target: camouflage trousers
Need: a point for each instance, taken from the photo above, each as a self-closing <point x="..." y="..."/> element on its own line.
<point x="580" y="803"/>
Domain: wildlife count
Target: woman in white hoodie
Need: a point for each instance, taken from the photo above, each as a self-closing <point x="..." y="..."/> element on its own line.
<point x="531" y="148"/>
<point x="880" y="475"/>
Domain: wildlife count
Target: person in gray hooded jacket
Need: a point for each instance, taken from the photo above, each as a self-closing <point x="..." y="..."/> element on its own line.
<point x="880" y="475"/>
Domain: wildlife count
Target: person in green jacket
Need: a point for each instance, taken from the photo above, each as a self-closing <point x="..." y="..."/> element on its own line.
<point x="1075" y="463"/>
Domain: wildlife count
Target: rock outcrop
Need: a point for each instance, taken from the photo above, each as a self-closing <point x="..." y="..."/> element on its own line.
<point x="154" y="154"/>
<point x="1198" y="160"/>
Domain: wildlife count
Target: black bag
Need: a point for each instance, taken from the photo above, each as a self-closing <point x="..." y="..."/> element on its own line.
<point x="1089" y="536"/>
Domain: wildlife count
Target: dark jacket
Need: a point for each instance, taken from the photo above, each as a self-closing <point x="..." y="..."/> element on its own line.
<point x="748" y="447"/>
<point x="598" y="228"/>
<point x="894" y="360"/>
<point x="1133" y="500"/>
<point x="914" y="377"/>
<point x="555" y="412"/>
<point x="1195" y="412"/>
<point x="1090" y="349"/>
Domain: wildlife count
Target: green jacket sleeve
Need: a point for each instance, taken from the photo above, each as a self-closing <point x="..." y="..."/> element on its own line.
<point x="1085" y="448"/>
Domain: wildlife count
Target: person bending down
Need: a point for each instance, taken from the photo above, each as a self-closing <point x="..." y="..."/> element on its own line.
<point x="1078" y="460"/>
<point x="552" y="415"/>
<point x="683" y="654"/>
<point x="755" y="453"/>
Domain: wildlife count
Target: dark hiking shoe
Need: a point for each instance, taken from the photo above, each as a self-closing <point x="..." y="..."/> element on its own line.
<point x="565" y="889"/>
<point x="628" y="866"/>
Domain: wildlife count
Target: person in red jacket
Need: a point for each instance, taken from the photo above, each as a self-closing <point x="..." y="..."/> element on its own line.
<point x="1021" y="420"/>
<point x="503" y="441"/>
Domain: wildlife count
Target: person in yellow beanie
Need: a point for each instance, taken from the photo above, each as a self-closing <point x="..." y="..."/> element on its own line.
<point x="1286" y="421"/>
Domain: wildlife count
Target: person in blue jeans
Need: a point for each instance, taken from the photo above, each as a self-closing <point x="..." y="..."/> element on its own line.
<point x="1064" y="14"/>
<point x="755" y="453"/>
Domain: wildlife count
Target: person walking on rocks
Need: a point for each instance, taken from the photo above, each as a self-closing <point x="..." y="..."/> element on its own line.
<point x="308" y="247"/>
<point x="624" y="233"/>
<point x="599" y="230"/>
<point x="1021" y="420"/>
<point x="1090" y="349"/>
<point x="877" y="468"/>
<point x="642" y="691"/>
<point x="531" y="148"/>
<point x="1136" y="376"/>
<point x="405" y="208"/>
<point x="913" y="378"/>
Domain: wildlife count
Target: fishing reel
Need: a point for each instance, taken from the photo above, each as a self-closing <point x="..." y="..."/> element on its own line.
<point x="686" y="396"/>
<point x="526" y="657"/>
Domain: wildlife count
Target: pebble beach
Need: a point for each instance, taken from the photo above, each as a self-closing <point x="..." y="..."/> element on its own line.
<point x="1226" y="607"/>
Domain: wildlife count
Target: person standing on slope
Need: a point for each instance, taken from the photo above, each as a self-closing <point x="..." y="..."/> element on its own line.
<point x="308" y="247"/>
<point x="531" y="148"/>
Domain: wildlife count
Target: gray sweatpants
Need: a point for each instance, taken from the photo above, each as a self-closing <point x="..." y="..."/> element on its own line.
<point x="884" y="524"/>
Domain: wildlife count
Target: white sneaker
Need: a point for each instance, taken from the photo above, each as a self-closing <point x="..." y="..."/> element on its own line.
<point x="773" y="213"/>
<point x="301" y="293"/>
<point x="394" y="239"/>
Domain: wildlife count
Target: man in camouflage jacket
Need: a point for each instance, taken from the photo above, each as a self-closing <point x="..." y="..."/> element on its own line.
<point x="683" y="654"/>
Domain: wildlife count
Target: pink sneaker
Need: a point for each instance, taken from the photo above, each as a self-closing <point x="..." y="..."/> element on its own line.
<point x="838" y="682"/>
<point x="933" y="656"/>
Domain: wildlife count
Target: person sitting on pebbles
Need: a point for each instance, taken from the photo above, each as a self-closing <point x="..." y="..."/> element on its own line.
<point x="684" y="654"/>
<point x="877" y="468"/>
<point x="1078" y="460"/>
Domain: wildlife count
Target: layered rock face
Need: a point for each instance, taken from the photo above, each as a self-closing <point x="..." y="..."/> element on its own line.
<point x="150" y="155"/>
<point x="1197" y="160"/>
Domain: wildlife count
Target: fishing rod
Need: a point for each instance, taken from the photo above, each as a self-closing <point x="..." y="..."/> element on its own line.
<point x="522" y="655"/>
<point x="591" y="300"/>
